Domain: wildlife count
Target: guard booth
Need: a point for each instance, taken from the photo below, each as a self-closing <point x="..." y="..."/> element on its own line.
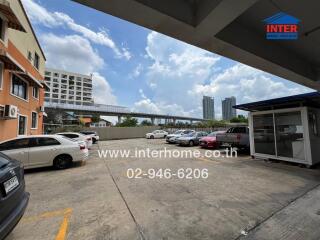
<point x="285" y="128"/>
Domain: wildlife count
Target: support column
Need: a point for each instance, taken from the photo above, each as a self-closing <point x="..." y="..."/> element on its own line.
<point x="191" y="122"/>
<point x="174" y="121"/>
<point x="152" y="120"/>
<point x="119" y="119"/>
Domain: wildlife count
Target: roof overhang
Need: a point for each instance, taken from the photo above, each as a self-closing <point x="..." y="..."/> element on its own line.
<point x="9" y="62"/>
<point x="13" y="21"/>
<point x="311" y="99"/>
<point x="233" y="29"/>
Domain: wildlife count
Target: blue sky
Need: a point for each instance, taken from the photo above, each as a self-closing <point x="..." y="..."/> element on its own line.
<point x="141" y="69"/>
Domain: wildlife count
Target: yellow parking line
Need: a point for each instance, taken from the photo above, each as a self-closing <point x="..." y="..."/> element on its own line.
<point x="66" y="213"/>
<point x="64" y="226"/>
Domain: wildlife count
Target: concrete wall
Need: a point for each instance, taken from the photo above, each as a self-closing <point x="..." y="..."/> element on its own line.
<point x="110" y="133"/>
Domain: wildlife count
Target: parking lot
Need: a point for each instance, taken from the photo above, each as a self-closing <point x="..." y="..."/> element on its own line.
<point x="241" y="196"/>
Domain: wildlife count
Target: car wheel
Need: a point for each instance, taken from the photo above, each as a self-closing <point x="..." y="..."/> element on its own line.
<point x="151" y="137"/>
<point x="164" y="136"/>
<point x="191" y="143"/>
<point x="94" y="140"/>
<point x="62" y="161"/>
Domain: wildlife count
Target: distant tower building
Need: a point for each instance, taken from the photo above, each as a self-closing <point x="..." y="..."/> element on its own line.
<point x="208" y="107"/>
<point x="228" y="111"/>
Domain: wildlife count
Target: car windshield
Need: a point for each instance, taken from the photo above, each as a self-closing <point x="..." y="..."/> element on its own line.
<point x="178" y="132"/>
<point x="190" y="134"/>
<point x="87" y="133"/>
<point x="70" y="139"/>
<point x="213" y="134"/>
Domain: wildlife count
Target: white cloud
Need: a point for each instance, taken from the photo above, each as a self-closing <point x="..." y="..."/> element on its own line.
<point x="137" y="71"/>
<point x="181" y="74"/>
<point x="71" y="53"/>
<point x="102" y="92"/>
<point x="40" y="15"/>
<point x="247" y="84"/>
<point x="146" y="105"/>
<point x="176" y="68"/>
<point x="75" y="54"/>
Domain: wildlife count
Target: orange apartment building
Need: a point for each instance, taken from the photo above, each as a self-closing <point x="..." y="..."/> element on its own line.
<point x="22" y="64"/>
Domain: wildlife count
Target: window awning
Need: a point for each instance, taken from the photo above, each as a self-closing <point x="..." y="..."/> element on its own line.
<point x="46" y="86"/>
<point x="27" y="76"/>
<point x="13" y="21"/>
<point x="13" y="66"/>
<point x="9" y="62"/>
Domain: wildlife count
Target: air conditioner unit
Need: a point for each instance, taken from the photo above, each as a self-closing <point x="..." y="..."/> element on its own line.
<point x="41" y="108"/>
<point x="10" y="111"/>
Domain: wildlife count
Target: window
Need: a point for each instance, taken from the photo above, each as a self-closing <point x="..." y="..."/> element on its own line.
<point x="34" y="120"/>
<point x="70" y="135"/>
<point x="36" y="60"/>
<point x="22" y="125"/>
<point x="15" y="144"/>
<point x="1" y="111"/>
<point x="19" y="87"/>
<point x="239" y="130"/>
<point x="29" y="56"/>
<point x="35" y="92"/>
<point x="1" y="74"/>
<point x="48" y="73"/>
<point x="45" y="141"/>
<point x="263" y="134"/>
<point x="2" y="29"/>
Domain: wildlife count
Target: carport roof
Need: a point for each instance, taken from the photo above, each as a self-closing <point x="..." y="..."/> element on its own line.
<point x="311" y="99"/>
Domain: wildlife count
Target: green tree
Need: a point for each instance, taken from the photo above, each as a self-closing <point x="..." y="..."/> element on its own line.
<point x="146" y="123"/>
<point x="128" y="122"/>
<point x="216" y="123"/>
<point x="95" y="118"/>
<point x="239" y="119"/>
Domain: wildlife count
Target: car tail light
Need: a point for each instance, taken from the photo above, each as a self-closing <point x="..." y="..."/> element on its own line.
<point x="82" y="147"/>
<point x="89" y="139"/>
<point x="238" y="137"/>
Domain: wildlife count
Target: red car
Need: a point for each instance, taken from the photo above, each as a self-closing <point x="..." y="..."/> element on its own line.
<point x="210" y="141"/>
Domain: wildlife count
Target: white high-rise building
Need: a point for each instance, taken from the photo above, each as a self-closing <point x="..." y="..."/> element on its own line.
<point x="208" y="107"/>
<point x="68" y="87"/>
<point x="228" y="112"/>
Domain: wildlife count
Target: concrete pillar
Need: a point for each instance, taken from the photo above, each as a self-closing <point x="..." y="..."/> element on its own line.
<point x="119" y="119"/>
<point x="152" y="120"/>
<point x="174" y="121"/>
<point x="191" y="122"/>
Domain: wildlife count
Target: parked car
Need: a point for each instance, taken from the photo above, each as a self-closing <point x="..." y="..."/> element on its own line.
<point x="235" y="137"/>
<point x="45" y="150"/>
<point x="190" y="139"/>
<point x="94" y="135"/>
<point x="210" y="141"/>
<point x="78" y="137"/>
<point x="157" y="134"/>
<point x="13" y="197"/>
<point x="172" y="138"/>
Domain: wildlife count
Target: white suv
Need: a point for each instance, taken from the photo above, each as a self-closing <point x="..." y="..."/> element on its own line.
<point x="45" y="150"/>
